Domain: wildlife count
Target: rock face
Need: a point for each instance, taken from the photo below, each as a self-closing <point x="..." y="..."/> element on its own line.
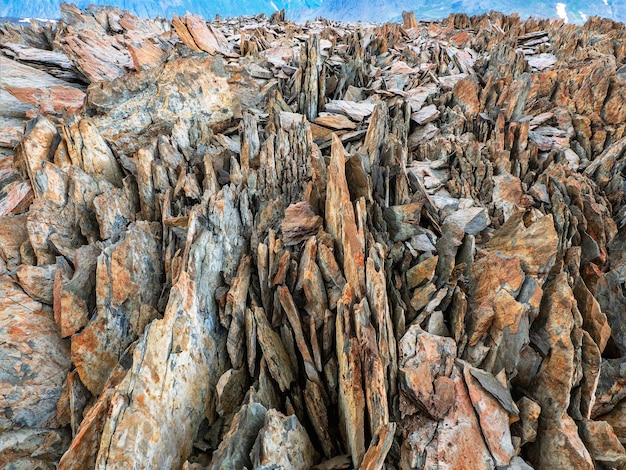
<point x="252" y="243"/>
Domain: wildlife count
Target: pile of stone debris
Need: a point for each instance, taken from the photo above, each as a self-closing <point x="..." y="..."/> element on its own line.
<point x="249" y="243"/>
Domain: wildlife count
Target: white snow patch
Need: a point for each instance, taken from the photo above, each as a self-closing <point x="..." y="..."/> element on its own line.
<point x="41" y="20"/>
<point x="561" y="13"/>
<point x="606" y="2"/>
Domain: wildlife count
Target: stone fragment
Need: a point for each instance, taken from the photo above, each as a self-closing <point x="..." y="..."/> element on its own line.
<point x="283" y="443"/>
<point x="495" y="388"/>
<point x="34" y="361"/>
<point x="341" y="220"/>
<point x="127" y="291"/>
<point x="46" y="220"/>
<point x="89" y="151"/>
<point x="594" y="320"/>
<point x="617" y="419"/>
<point x="472" y="220"/>
<point x="230" y="390"/>
<point x="381" y="443"/>
<point x="422" y="295"/>
<point x="40" y="137"/>
<point x="403" y="221"/>
<point x="425" y="115"/>
<point x="13" y="234"/>
<point x="234" y="450"/>
<point x="74" y="296"/>
<point x="335" y="121"/>
<point x="493" y="418"/>
<point x="355" y="111"/>
<point x="459" y="441"/>
<point x="37" y="281"/>
<point x="426" y="362"/>
<point x="465" y="92"/>
<point x="611" y="386"/>
<point x="28" y="448"/>
<point x="526" y="427"/>
<point x="177" y="96"/>
<point x="114" y="211"/>
<point x="541" y="61"/>
<point x="373" y="372"/>
<point x="534" y="242"/>
<point x="300" y="223"/>
<point x="603" y="445"/>
<point x="85" y="444"/>
<point x="507" y="194"/>
<point x="28" y="88"/>
<point x="351" y="399"/>
<point x="158" y="406"/>
<point x="278" y="361"/>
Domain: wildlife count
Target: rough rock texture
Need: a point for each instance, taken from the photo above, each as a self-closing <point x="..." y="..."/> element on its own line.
<point x="252" y="243"/>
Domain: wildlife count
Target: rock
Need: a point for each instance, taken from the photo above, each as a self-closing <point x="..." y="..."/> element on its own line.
<point x="455" y="442"/>
<point x="425" y="115"/>
<point x="426" y="363"/>
<point x="534" y="242"/>
<point x="268" y="448"/>
<point x="91" y="153"/>
<point x="496" y="281"/>
<point x="351" y="399"/>
<point x="355" y="111"/>
<point x="465" y="92"/>
<point x="507" y="194"/>
<point x="278" y="361"/>
<point x="616" y="419"/>
<point x="603" y="445"/>
<point x="554" y="380"/>
<point x="32" y="447"/>
<point x="472" y="220"/>
<point x="127" y="292"/>
<point x="526" y="427"/>
<point x="234" y="450"/>
<point x="74" y="297"/>
<point x="13" y="234"/>
<point x="492" y="416"/>
<point x="300" y="222"/>
<point x="37" y="281"/>
<point x="403" y="220"/>
<point x="375" y="456"/>
<point x="559" y="442"/>
<point x="422" y="295"/>
<point x="611" y="386"/>
<point x="424" y="271"/>
<point x="38" y="147"/>
<point x="123" y="114"/>
<point x="28" y="89"/>
<point x="334" y="121"/>
<point x="83" y="450"/>
<point x="341" y="222"/>
<point x="594" y="321"/>
<point x="542" y="61"/>
<point x="34" y="361"/>
<point x="133" y="408"/>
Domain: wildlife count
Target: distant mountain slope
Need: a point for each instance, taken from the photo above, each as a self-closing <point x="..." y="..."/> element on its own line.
<point x="576" y="11"/>
<point x="153" y="8"/>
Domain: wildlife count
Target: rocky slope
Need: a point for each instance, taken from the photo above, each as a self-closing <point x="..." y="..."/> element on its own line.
<point x="255" y="244"/>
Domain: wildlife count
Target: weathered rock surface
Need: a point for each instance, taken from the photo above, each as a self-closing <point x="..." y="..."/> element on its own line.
<point x="253" y="243"/>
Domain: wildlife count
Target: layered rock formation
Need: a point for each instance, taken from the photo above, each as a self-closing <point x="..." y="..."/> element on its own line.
<point x="255" y="244"/>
